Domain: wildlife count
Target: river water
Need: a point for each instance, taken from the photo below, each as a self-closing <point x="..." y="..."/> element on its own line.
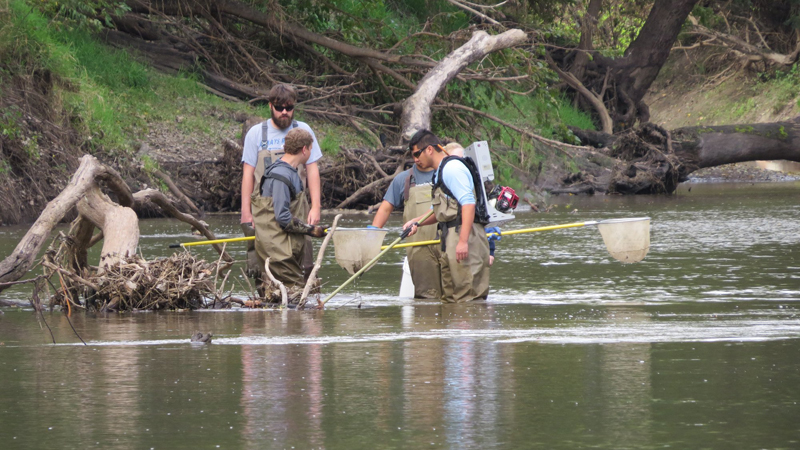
<point x="698" y="346"/>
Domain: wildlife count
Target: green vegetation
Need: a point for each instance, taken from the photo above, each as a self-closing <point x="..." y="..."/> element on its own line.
<point x="113" y="99"/>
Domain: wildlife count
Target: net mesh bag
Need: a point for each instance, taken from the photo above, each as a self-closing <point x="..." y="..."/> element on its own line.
<point x="355" y="247"/>
<point x="627" y="240"/>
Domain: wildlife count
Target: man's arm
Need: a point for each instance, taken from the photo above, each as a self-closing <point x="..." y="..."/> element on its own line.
<point x="382" y="216"/>
<point x="314" y="188"/>
<point x="281" y="200"/>
<point x="248" y="180"/>
<point x="467" y="219"/>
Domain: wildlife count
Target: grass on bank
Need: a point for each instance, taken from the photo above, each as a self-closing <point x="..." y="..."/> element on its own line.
<point x="689" y="93"/>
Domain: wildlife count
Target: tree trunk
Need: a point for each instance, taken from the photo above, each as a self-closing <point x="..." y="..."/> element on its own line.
<point x="417" y="108"/>
<point x="119" y="224"/>
<point x="637" y="70"/>
<point x="588" y="25"/>
<point x="651" y="160"/>
<point x="718" y="145"/>
<point x="622" y="83"/>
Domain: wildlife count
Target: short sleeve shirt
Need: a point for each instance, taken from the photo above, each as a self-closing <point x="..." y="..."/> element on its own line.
<point x="394" y="194"/>
<point x="253" y="142"/>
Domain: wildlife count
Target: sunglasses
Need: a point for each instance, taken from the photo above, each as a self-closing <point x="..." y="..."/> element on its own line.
<point x="284" y="107"/>
<point x="416" y="154"/>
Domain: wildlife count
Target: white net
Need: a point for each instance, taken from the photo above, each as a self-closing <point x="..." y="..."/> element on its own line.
<point x="627" y="240"/>
<point x="355" y="247"/>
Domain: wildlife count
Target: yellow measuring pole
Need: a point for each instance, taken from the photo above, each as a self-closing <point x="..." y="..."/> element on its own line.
<point x="504" y="233"/>
<point x="215" y="241"/>
<point x="407" y="244"/>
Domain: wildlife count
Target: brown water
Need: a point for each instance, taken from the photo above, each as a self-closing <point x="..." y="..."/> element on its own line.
<point x="698" y="346"/>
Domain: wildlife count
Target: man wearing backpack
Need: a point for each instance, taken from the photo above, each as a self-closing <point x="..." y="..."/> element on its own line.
<point x="279" y="212"/>
<point x="263" y="145"/>
<point x="457" y="210"/>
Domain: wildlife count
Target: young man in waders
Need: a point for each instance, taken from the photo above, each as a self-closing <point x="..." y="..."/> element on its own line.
<point x="279" y="209"/>
<point x="263" y="145"/>
<point x="465" y="250"/>
<point x="411" y="190"/>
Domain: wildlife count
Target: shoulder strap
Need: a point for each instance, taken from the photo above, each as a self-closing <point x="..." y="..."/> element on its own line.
<point x="276" y="176"/>
<point x="265" y="131"/>
<point x="264" y="134"/>
<point x="440" y="172"/>
<point x="407" y="187"/>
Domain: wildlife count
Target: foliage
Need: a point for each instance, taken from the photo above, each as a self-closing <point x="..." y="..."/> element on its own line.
<point x="89" y="15"/>
<point x="619" y="24"/>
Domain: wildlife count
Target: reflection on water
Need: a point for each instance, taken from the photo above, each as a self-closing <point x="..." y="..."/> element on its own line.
<point x="695" y="347"/>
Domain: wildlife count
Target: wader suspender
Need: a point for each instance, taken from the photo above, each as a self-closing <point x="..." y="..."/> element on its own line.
<point x="281" y="178"/>
<point x="407" y="187"/>
<point x="265" y="141"/>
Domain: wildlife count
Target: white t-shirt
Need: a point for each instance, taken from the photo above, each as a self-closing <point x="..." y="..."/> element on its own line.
<point x="253" y="139"/>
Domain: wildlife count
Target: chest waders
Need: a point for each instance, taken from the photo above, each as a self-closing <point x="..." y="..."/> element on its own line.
<point x="284" y="250"/>
<point x="423" y="260"/>
<point x="469" y="279"/>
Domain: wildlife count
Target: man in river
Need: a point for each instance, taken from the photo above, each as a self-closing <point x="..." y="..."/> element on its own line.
<point x="411" y="190"/>
<point x="263" y="144"/>
<point x="279" y="208"/>
<point x="465" y="250"/>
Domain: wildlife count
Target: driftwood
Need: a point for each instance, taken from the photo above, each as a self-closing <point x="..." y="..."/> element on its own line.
<point x="122" y="280"/>
<point x="276" y="284"/>
<point x="312" y="278"/>
<point x="90" y="170"/>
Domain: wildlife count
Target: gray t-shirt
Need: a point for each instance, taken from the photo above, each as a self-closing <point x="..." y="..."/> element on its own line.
<point x="253" y="139"/>
<point x="395" y="193"/>
<point x="279" y="191"/>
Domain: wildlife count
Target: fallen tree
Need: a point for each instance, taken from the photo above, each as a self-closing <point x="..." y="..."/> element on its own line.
<point x="119" y="231"/>
<point x="652" y="160"/>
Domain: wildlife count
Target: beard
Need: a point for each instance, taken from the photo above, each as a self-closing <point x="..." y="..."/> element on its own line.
<point x="280" y="121"/>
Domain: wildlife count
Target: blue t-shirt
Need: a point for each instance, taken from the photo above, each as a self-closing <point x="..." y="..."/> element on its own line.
<point x="457" y="177"/>
<point x="394" y="194"/>
<point x="253" y="139"/>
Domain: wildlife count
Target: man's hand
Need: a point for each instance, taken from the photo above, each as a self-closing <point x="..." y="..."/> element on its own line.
<point x="314" y="215"/>
<point x="462" y="251"/>
<point x="254" y="267"/>
<point x="247" y="228"/>
<point x="413" y="224"/>
<point x="317" y="231"/>
<point x="246" y="218"/>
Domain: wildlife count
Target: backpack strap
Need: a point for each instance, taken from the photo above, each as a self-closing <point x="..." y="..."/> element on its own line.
<point x="481" y="211"/>
<point x="440" y="172"/>
<point x="276" y="176"/>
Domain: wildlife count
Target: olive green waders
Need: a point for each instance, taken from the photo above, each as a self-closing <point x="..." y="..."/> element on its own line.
<point x="469" y="279"/>
<point x="423" y="260"/>
<point x="264" y="160"/>
<point x="284" y="250"/>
